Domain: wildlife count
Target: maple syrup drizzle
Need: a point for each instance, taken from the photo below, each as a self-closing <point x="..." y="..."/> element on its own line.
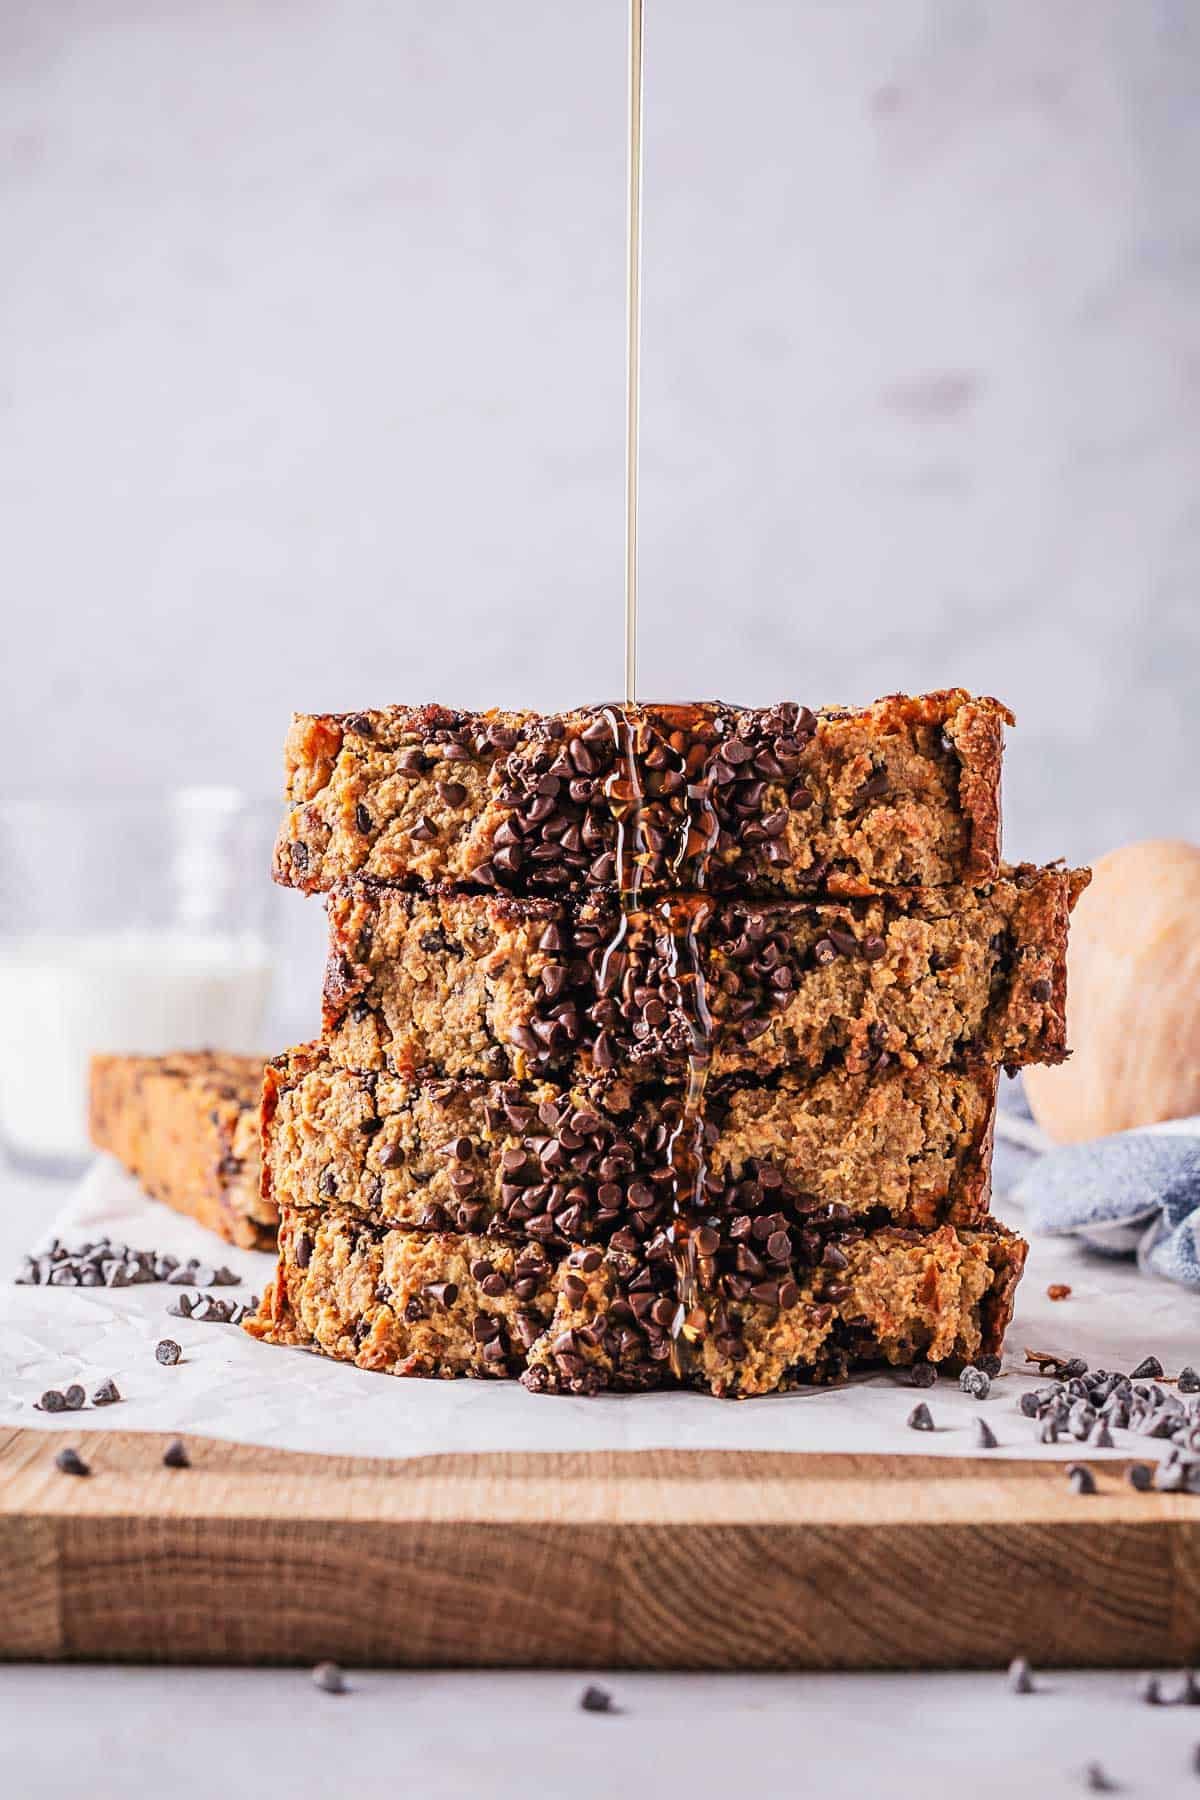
<point x="685" y="835"/>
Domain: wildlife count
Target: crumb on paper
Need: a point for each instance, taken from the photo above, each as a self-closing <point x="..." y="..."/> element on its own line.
<point x="1058" y="1290"/>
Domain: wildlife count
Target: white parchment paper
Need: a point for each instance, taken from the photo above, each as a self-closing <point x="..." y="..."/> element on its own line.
<point x="229" y="1386"/>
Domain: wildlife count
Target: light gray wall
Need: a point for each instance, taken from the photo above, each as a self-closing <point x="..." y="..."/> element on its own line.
<point x="310" y="394"/>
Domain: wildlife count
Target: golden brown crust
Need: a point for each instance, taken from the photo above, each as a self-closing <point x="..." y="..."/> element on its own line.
<point x="186" y="1126"/>
<point x="848" y="800"/>
<point x="573" y="1165"/>
<point x="470" y="984"/>
<point x="445" y="1305"/>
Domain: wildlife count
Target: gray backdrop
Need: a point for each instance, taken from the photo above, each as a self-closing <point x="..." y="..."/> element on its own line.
<point x="311" y="390"/>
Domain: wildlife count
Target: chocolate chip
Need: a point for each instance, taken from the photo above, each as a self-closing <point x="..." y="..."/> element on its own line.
<point x="1150" y="1691"/>
<point x="1020" y="1676"/>
<point x="1140" y="1476"/>
<point x="1042" y="990"/>
<point x="1189" y="1380"/>
<point x="596" y="1700"/>
<point x="1149" y="1369"/>
<point x="362" y="819"/>
<point x="52" y="1401"/>
<point x="71" y="1463"/>
<point x="106" y="1394"/>
<point x="920" y="1418"/>
<point x="1097" y="1781"/>
<point x="175" y="1455"/>
<point x="167" y="1352"/>
<point x="1080" y="1478"/>
<point x="982" y="1435"/>
<point x="329" y="1678"/>
<point x="973" y="1381"/>
<point x="74" y="1397"/>
<point x="922" y="1375"/>
<point x="304" y="1250"/>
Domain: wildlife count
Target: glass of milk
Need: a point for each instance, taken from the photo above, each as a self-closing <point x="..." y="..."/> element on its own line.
<point x="140" y="927"/>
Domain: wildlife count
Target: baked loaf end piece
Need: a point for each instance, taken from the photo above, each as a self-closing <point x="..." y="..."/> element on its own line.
<point x="187" y="1126"/>
<point x="574" y="1165"/>
<point x="765" y="800"/>
<point x="434" y="1304"/>
<point x="480" y="984"/>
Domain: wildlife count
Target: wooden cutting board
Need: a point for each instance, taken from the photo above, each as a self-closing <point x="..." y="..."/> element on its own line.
<point x="703" y="1560"/>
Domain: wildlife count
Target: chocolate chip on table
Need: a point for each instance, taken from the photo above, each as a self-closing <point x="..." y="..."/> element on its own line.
<point x="107" y="1393"/>
<point x="1098" y="1782"/>
<point x="329" y="1678"/>
<point x="1140" y="1476"/>
<point x="53" y="1401"/>
<point x="1149" y="1369"/>
<point x="1020" y="1676"/>
<point x="167" y="1352"/>
<point x="1150" y="1691"/>
<point x="982" y="1435"/>
<point x="75" y="1397"/>
<point x="71" y="1463"/>
<point x="1048" y="1432"/>
<point x="596" y="1700"/>
<point x="175" y="1455"/>
<point x="1100" y="1437"/>
<point x="180" y="1307"/>
<point x="973" y="1381"/>
<point x="1080" y="1478"/>
<point x="989" y="1366"/>
<point x="922" y="1375"/>
<point x="1189" y="1380"/>
<point x="920" y="1418"/>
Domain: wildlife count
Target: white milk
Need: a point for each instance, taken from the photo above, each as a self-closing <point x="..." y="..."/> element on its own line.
<point x="141" y="992"/>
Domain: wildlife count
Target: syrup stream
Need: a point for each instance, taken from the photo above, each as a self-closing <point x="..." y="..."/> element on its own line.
<point x="633" y="344"/>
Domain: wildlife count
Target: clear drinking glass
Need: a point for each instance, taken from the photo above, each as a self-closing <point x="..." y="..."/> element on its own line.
<point x="141" y="926"/>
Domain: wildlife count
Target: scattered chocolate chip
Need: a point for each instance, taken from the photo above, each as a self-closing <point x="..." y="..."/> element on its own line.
<point x="1150" y="1691"/>
<point x="71" y="1463"/>
<point x="1097" y="1781"/>
<point x="596" y="1700"/>
<point x="106" y="1394"/>
<point x="1020" y="1676"/>
<point x="75" y="1397"/>
<point x="329" y="1678"/>
<point x="167" y="1352"/>
<point x="1140" y="1476"/>
<point x="1189" y="1380"/>
<point x="973" y="1381"/>
<point x="982" y="1435"/>
<point x="1149" y="1369"/>
<point x="922" y="1375"/>
<point x="175" y="1455"/>
<point x="920" y="1418"/>
<point x="1080" y="1478"/>
<point x="52" y="1401"/>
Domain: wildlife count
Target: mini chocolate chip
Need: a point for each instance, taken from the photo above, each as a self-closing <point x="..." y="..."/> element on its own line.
<point x="52" y="1401"/>
<point x="74" y="1397"/>
<point x="71" y="1463"/>
<point x="920" y="1418"/>
<point x="175" y="1455"/>
<point x="1081" y="1479"/>
<point x="1149" y="1369"/>
<point x="596" y="1700"/>
<point x="1020" y="1676"/>
<point x="1042" y="990"/>
<point x="982" y="1435"/>
<point x="167" y="1352"/>
<point x="329" y="1678"/>
<point x="106" y="1394"/>
<point x="362" y="819"/>
<point x="1140" y="1476"/>
<point x="922" y="1375"/>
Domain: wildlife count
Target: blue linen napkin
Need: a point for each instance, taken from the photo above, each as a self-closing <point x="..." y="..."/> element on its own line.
<point x="1136" y="1193"/>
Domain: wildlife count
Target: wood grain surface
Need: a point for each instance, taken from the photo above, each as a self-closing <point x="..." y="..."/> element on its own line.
<point x="680" y="1560"/>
